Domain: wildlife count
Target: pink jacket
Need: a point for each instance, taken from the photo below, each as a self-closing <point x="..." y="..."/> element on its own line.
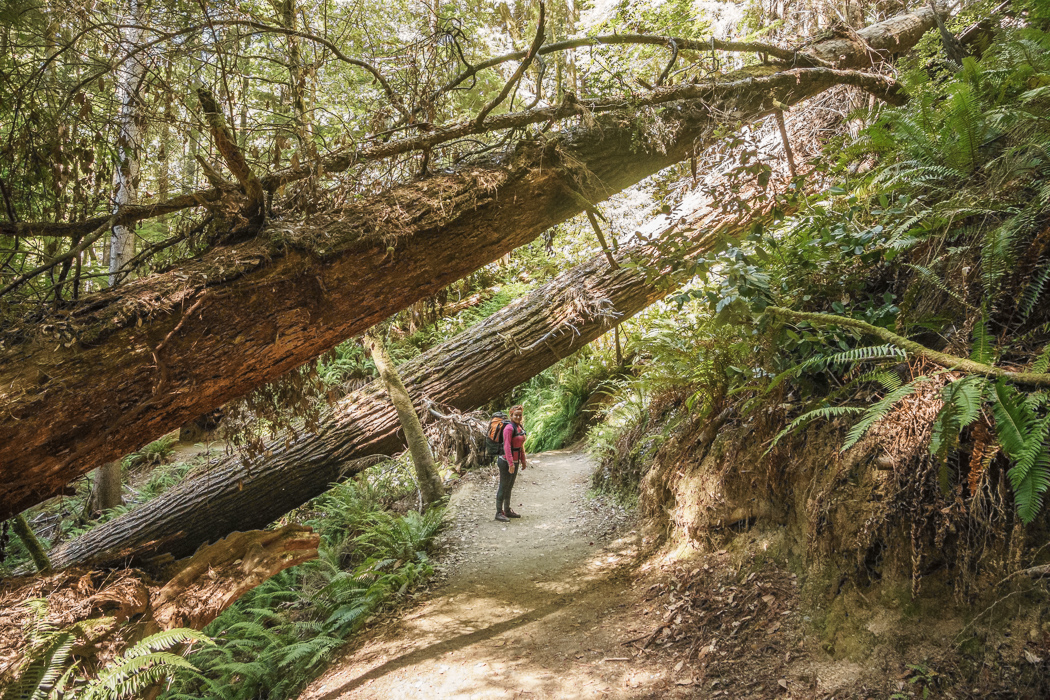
<point x="513" y="443"/>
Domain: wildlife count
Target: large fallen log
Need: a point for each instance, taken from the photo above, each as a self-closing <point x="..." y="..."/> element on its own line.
<point x="506" y="349"/>
<point x="125" y="366"/>
<point x="129" y="605"/>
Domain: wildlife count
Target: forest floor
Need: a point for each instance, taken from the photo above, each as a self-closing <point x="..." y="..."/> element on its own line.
<point x="562" y="604"/>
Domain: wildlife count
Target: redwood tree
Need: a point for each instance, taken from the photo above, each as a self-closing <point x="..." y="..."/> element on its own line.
<point x="122" y="367"/>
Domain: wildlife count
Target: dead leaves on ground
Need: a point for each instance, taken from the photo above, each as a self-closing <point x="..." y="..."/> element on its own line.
<point x="727" y="628"/>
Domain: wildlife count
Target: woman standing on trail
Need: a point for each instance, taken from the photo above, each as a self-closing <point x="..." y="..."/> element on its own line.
<point x="509" y="462"/>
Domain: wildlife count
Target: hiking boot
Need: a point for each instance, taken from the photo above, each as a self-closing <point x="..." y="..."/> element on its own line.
<point x="501" y="517"/>
<point x="512" y="514"/>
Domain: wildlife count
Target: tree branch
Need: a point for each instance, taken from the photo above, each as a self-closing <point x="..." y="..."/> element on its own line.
<point x="231" y="153"/>
<point x="601" y="238"/>
<point x="940" y="358"/>
<point x="479" y="120"/>
<point x="91" y="238"/>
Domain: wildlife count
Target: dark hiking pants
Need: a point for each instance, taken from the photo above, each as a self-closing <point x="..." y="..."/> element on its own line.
<point x="506" y="483"/>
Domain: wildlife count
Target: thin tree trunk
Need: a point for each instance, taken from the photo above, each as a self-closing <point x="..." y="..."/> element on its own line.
<point x="126" y="172"/>
<point x="133" y="363"/>
<point x="107" y="489"/>
<point x="31" y="543"/>
<point x="430" y="485"/>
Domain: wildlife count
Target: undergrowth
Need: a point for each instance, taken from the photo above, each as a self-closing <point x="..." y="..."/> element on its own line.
<point x="276" y="638"/>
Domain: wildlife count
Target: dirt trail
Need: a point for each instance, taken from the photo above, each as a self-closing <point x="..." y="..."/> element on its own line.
<point x="531" y="608"/>
<point x="561" y="605"/>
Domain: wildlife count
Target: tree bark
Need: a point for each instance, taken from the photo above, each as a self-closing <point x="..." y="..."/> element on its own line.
<point x="430" y="485"/>
<point x="125" y="366"/>
<point x="506" y="349"/>
<point x="130" y="605"/>
<point x="107" y="491"/>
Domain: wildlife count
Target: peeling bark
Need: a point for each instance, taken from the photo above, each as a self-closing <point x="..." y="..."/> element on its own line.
<point x="191" y="593"/>
<point x="126" y="366"/>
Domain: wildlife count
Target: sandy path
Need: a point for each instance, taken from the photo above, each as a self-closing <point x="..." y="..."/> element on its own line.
<point x="531" y="608"/>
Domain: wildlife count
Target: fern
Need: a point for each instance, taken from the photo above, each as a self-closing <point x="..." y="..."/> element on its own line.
<point x="962" y="406"/>
<point x="1033" y="292"/>
<point x="127" y="677"/>
<point x="1042" y="363"/>
<point x="1022" y="435"/>
<point x="875" y="413"/>
<point x="934" y="280"/>
<point x="983" y="350"/>
<point x="851" y="356"/>
<point x="824" y="412"/>
<point x="47" y="664"/>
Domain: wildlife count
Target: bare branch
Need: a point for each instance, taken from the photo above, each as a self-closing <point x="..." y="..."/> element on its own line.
<point x="601" y="238"/>
<point x="670" y="63"/>
<point x="782" y="86"/>
<point x="231" y="153"/>
<point x="522" y="67"/>
<point x="77" y="250"/>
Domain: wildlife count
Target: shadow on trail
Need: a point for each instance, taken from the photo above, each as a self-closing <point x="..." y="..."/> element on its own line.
<point x="433" y="651"/>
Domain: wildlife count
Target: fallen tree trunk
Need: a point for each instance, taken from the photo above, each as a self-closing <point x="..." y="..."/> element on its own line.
<point x="131" y="604"/>
<point x="125" y="366"/>
<point x="506" y="349"/>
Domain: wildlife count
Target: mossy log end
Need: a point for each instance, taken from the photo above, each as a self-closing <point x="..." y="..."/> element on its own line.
<point x="127" y="365"/>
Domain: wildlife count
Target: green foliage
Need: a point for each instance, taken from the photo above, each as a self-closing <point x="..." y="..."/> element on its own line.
<point x="962" y="406"/>
<point x="277" y="637"/>
<point x="1023" y="434"/>
<point x="157" y="452"/>
<point x="821" y="413"/>
<point x="49" y="669"/>
<point x="877" y="412"/>
<point x="553" y="399"/>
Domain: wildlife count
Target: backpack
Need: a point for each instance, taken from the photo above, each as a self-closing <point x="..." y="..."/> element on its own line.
<point x="494" y="435"/>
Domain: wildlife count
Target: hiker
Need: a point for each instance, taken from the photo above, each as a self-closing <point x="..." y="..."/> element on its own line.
<point x="511" y="458"/>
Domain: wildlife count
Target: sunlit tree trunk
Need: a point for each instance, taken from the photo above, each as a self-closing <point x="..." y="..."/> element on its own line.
<point x="430" y="485"/>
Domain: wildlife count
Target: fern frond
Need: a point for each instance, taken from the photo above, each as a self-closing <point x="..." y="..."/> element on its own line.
<point x="876" y="412"/>
<point x="983" y="350"/>
<point x="824" y="412"/>
<point x="935" y="281"/>
<point x="45" y="667"/>
<point x="1013" y="419"/>
<point x="962" y="406"/>
<point x="866" y="354"/>
<point x="1042" y="363"/>
<point x="1033" y="292"/>
<point x="1030" y="476"/>
<point x="126" y="677"/>
<point x="166" y="639"/>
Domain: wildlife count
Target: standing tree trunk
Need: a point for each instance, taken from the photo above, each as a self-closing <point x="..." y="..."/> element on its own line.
<point x="430" y="485"/>
<point x="107" y="491"/>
